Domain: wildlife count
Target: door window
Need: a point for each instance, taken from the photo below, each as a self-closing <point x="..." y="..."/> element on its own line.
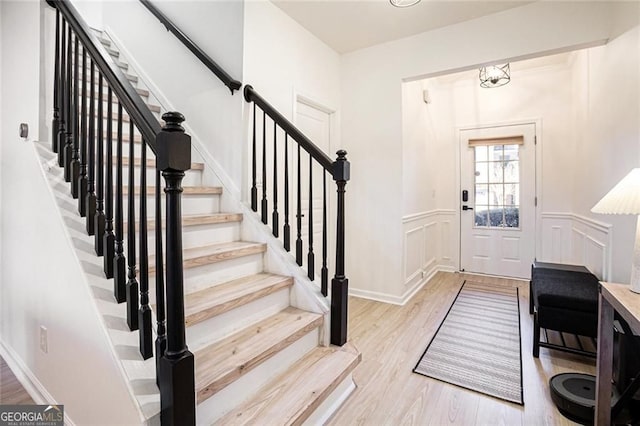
<point x="497" y="186"/>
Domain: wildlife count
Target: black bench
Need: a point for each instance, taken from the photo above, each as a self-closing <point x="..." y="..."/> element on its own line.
<point x="563" y="298"/>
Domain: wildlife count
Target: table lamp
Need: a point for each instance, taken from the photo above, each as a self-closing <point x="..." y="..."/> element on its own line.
<point x="624" y="198"/>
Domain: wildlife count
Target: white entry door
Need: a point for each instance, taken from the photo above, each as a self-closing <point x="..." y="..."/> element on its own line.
<point x="497" y="199"/>
<point x="315" y="123"/>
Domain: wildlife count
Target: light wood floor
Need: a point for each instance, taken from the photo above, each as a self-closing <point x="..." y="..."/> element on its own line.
<point x="392" y="340"/>
<point x="11" y="391"/>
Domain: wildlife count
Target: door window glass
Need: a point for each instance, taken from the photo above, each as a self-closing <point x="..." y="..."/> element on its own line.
<point x="497" y="186"/>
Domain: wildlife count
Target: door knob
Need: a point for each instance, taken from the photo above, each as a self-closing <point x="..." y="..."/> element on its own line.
<point x="467" y="208"/>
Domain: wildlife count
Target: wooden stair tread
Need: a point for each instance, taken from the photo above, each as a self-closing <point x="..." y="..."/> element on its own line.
<point x="151" y="162"/>
<point x="186" y="190"/>
<point x="114" y="101"/>
<point x="142" y="92"/>
<point x="224" y="361"/>
<point x="214" y="253"/>
<point x="196" y="220"/>
<point x="131" y="78"/>
<point x="293" y="397"/>
<point x="215" y="300"/>
<point x="137" y="138"/>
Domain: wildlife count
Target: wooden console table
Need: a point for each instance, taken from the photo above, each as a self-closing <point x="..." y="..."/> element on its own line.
<point x="618" y="298"/>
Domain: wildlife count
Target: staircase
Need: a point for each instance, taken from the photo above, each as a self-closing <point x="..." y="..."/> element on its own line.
<point x="258" y="359"/>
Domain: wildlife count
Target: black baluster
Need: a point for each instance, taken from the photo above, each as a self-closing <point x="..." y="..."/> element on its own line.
<point x="340" y="283"/>
<point x="177" y="384"/>
<point x="274" y="216"/>
<point x="132" y="283"/>
<point x="90" y="200"/>
<point x="109" y="238"/>
<point x="299" y="216"/>
<point x="72" y="161"/>
<point x="287" y="229"/>
<point x="264" y="168"/>
<point x="144" y="314"/>
<point x="161" y="324"/>
<point x="55" y="123"/>
<point x="71" y="107"/>
<point x="254" y="188"/>
<point x="81" y="189"/>
<point x="119" y="265"/>
<point x="99" y="216"/>
<point x="64" y="89"/>
<point x="324" y="271"/>
<point x="310" y="255"/>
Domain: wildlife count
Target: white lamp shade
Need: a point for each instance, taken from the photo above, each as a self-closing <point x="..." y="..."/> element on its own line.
<point x="624" y="198"/>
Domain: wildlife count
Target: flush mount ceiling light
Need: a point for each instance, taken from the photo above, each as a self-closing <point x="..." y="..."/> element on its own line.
<point x="404" y="3"/>
<point x="495" y="75"/>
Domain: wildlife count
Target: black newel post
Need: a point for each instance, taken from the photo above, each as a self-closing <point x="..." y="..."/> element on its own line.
<point x="177" y="381"/>
<point x="340" y="283"/>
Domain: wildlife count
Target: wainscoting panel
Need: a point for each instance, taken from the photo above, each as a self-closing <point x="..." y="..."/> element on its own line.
<point x="429" y="240"/>
<point x="575" y="239"/>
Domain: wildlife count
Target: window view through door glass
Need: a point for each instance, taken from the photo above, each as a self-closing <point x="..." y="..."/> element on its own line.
<point x="497" y="186"/>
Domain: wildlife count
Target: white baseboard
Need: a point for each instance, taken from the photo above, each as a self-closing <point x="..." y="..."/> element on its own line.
<point x="407" y="296"/>
<point x="28" y="380"/>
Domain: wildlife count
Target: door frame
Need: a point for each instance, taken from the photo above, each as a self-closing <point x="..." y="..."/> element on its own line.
<point x="537" y="123"/>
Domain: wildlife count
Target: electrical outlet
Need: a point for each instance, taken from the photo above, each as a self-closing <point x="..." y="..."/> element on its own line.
<point x="44" y="344"/>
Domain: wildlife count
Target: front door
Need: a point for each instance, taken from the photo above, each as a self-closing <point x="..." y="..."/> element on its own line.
<point x="498" y="199"/>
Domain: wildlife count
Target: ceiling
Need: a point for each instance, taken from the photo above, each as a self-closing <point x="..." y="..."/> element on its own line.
<point x="347" y="25"/>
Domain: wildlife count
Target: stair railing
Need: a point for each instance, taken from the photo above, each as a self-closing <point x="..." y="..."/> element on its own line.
<point x="228" y="81"/>
<point x="339" y="170"/>
<point x="85" y="148"/>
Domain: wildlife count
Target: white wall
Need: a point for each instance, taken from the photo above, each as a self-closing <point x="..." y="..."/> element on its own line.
<point x="282" y="60"/>
<point x="42" y="280"/>
<point x="372" y="113"/>
<point x="180" y="80"/>
<point x="607" y="93"/>
<point x="1" y="150"/>
<point x="91" y="11"/>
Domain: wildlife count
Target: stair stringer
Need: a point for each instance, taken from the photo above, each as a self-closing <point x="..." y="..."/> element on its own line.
<point x="305" y="294"/>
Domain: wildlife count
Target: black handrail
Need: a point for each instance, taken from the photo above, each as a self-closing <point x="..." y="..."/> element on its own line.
<point x="130" y="99"/>
<point x="228" y="81"/>
<point x="250" y="95"/>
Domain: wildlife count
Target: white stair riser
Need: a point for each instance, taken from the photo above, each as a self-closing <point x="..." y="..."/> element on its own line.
<point x="191" y="177"/>
<point x="240" y="390"/>
<point x="220" y="272"/>
<point x="232" y="321"/>
<point x="196" y="236"/>
<point x="137" y="150"/>
<point x="191" y="204"/>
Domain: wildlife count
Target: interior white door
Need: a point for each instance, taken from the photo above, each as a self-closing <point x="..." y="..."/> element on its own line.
<point x="315" y="123"/>
<point x="497" y="218"/>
